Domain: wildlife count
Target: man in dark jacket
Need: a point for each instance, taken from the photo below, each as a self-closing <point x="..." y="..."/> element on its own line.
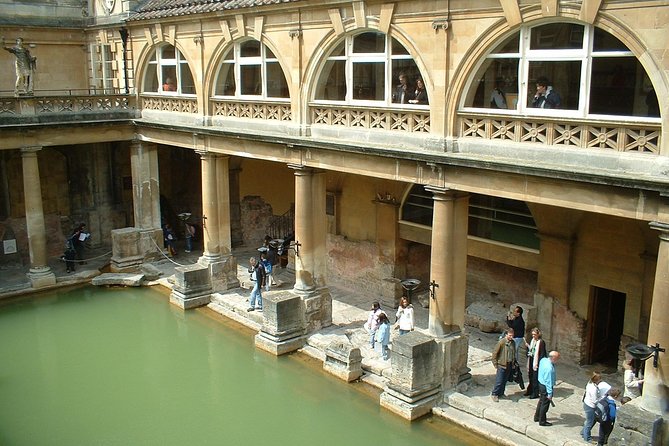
<point x="502" y="358"/>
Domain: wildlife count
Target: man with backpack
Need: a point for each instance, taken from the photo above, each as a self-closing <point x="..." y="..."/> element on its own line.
<point x="257" y="272"/>
<point x="605" y="414"/>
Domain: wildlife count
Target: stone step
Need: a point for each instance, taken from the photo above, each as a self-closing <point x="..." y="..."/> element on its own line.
<point x="118" y="279"/>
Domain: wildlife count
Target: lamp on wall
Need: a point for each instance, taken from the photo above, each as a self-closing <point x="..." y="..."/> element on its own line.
<point x="433" y="286"/>
<point x="644" y="352"/>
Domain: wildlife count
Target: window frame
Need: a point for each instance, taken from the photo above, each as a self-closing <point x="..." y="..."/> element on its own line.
<point x="160" y="62"/>
<point x="238" y="61"/>
<point x="351" y="58"/>
<point x="525" y="57"/>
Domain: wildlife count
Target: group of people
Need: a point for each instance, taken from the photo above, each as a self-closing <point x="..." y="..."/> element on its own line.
<point x="262" y="272"/>
<point x="599" y="400"/>
<point x="74" y="247"/>
<point x="545" y="95"/>
<point x="170" y="238"/>
<point x="378" y="324"/>
<point x="407" y="93"/>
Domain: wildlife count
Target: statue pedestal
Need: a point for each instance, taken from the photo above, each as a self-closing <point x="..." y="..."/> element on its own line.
<point x="192" y="287"/>
<point x="282" y="330"/>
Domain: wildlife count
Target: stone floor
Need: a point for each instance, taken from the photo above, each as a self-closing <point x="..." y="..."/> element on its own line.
<point x="508" y="422"/>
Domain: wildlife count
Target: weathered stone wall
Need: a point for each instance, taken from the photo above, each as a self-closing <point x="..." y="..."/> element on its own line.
<point x="256" y="218"/>
<point x="355" y="265"/>
<point x="568" y="334"/>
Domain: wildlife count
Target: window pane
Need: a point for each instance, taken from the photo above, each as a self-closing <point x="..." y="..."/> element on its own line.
<point x="339" y="50"/>
<point x="503" y="220"/>
<point x="369" y="81"/>
<point x="168" y="52"/>
<point x="151" y="79"/>
<point x="557" y="36"/>
<point x="495" y="85"/>
<point x="369" y="43"/>
<point x="619" y="87"/>
<point x="269" y="54"/>
<point x="225" y="83"/>
<point x="606" y="42"/>
<point x="408" y="68"/>
<point x="169" y="74"/>
<point x="230" y="55"/>
<point x="250" y="48"/>
<point x="332" y="82"/>
<point x="277" y="87"/>
<point x="250" y="80"/>
<point x="398" y="48"/>
<point x="511" y="45"/>
<point x="187" y="82"/>
<point x="563" y="87"/>
<point x="418" y="206"/>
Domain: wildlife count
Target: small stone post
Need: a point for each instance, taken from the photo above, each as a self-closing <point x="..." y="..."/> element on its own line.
<point x="282" y="330"/>
<point x="192" y="286"/>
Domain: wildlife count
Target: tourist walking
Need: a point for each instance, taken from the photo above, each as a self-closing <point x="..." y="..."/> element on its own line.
<point x="502" y="358"/>
<point x="78" y="238"/>
<point x="267" y="265"/>
<point x="515" y="320"/>
<point x="372" y="323"/>
<point x="609" y="419"/>
<point x="170" y="240"/>
<point x="594" y="390"/>
<point x="547" y="377"/>
<point x="404" y="316"/>
<point x="536" y="350"/>
<point x="257" y="272"/>
<point x="383" y="335"/>
<point x="190" y="235"/>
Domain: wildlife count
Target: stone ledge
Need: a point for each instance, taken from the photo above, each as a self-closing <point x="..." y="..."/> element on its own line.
<point x="118" y="279"/>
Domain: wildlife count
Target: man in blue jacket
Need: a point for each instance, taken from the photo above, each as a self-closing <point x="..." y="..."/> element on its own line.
<point x="546" y="376"/>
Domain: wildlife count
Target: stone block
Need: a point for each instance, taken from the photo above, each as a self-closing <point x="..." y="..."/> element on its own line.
<point x="465" y="404"/>
<point x="417" y="371"/>
<point x="455" y="349"/>
<point x="343" y="361"/>
<point x="192" y="286"/>
<point x="118" y="279"/>
<point x="283" y="327"/>
<point x="223" y="274"/>
<point x="132" y="246"/>
<point x="636" y="426"/>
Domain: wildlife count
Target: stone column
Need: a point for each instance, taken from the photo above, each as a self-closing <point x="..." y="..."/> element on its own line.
<point x="311" y="252"/>
<point x="235" y="208"/>
<point x="448" y="261"/>
<point x="654" y="396"/>
<point x="145" y="184"/>
<point x="40" y="274"/>
<point x="224" y="277"/>
<point x="392" y="252"/>
<point x="212" y="249"/>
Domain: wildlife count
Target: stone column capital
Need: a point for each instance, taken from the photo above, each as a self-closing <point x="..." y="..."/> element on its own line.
<point x="31" y="150"/>
<point x="445" y="193"/>
<point x="662" y="227"/>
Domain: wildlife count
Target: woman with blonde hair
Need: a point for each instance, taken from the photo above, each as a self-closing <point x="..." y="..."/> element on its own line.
<point x="595" y="390"/>
<point x="536" y="350"/>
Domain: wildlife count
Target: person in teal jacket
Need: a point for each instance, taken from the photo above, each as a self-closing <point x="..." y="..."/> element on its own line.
<point x="546" y="380"/>
<point x="383" y="334"/>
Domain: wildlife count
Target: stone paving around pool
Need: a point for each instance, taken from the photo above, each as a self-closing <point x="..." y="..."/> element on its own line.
<point x="508" y="422"/>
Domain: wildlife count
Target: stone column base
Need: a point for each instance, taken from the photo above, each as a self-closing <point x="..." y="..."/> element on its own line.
<point x="278" y="346"/>
<point x="407" y="407"/>
<point x="41" y="277"/>
<point x="223" y="272"/>
<point x="192" y="286"/>
<point x="343" y="361"/>
<point x="317" y="308"/>
<point x="132" y="246"/>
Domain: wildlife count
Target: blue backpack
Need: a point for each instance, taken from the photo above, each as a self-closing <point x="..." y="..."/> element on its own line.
<point x="602" y="409"/>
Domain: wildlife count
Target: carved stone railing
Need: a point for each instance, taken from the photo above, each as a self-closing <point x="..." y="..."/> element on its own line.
<point x="48" y="109"/>
<point x="610" y="135"/>
<point x="416" y="121"/>
<point x="269" y="111"/>
<point x="171" y="104"/>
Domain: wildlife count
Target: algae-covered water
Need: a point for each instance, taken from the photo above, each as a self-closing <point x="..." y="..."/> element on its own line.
<point x="93" y="366"/>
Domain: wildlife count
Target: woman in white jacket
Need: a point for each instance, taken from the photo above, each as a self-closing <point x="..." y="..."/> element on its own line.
<point x="405" y="316"/>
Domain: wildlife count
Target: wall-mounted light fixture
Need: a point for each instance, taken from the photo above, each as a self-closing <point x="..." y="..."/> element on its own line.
<point x="644" y="352"/>
<point x="433" y="286"/>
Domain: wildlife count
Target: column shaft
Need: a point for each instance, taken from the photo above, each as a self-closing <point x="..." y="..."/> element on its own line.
<point x="223" y="195"/>
<point x="304" y="262"/>
<point x="448" y="261"/>
<point x="145" y="184"/>
<point x="212" y="250"/>
<point x="40" y="273"/>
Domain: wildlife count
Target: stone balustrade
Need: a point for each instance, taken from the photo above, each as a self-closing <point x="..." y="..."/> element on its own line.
<point x="621" y="136"/>
<point x="404" y="120"/>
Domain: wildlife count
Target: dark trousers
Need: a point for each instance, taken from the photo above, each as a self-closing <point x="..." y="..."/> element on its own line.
<point x="533" y="382"/>
<point x="542" y="405"/>
<point x="501" y="378"/>
<point x="605" y="429"/>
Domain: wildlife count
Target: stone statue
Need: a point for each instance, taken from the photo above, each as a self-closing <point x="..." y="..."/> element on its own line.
<point x="25" y="66"/>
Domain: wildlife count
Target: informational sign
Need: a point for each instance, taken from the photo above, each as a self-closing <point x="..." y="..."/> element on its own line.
<point x="9" y="246"/>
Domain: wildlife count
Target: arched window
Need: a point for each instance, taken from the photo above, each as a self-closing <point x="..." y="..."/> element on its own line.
<point x="366" y="68"/>
<point x="563" y="69"/>
<point x="492" y="218"/>
<point x="250" y="68"/>
<point x="168" y="73"/>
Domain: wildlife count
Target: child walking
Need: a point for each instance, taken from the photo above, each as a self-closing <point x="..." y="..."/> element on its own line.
<point x="383" y="334"/>
<point x="372" y="323"/>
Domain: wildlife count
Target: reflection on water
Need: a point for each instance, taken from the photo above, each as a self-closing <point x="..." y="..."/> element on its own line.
<point x="123" y="367"/>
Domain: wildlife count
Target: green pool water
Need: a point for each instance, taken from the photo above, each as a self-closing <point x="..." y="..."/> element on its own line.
<point x="92" y="366"/>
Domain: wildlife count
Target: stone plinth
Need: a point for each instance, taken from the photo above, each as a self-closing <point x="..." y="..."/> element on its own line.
<point x="223" y="274"/>
<point x="455" y="348"/>
<point x="118" y="279"/>
<point x="343" y="361"/>
<point x="417" y="371"/>
<point x="41" y="277"/>
<point x="638" y="427"/>
<point x="131" y="246"/>
<point x="283" y="327"/>
<point x="192" y="286"/>
<point x="317" y="308"/>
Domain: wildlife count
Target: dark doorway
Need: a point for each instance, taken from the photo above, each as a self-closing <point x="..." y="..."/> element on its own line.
<point x="605" y="325"/>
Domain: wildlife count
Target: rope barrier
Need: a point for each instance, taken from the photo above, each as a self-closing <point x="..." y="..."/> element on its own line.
<point x="166" y="256"/>
<point x="62" y="258"/>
